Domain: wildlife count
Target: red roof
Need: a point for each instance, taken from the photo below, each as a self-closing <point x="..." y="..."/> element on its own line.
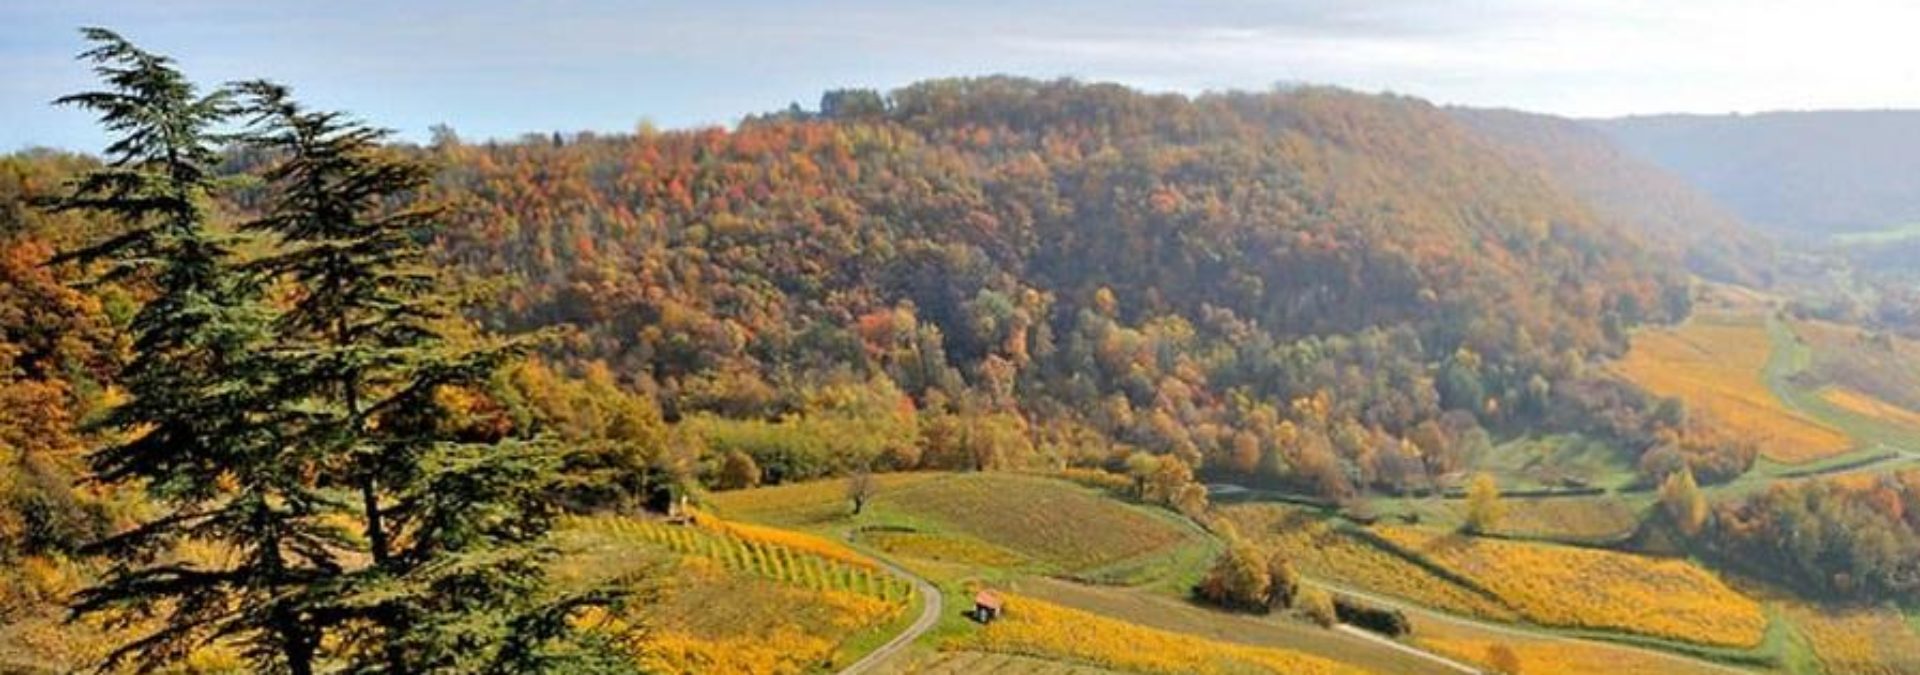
<point x="987" y="599"/>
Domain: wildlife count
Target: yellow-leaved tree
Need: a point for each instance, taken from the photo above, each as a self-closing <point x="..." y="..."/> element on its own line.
<point x="1484" y="508"/>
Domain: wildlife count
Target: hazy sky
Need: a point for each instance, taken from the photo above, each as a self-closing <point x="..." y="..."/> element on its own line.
<point x="497" y="68"/>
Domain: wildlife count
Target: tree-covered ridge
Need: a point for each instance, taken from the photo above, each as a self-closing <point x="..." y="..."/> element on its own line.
<point x="1312" y="212"/>
<point x="1179" y="275"/>
<point x="1670" y="214"/>
<point x="1804" y="175"/>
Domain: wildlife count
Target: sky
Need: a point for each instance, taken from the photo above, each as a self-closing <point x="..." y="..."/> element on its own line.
<point x="500" y="68"/>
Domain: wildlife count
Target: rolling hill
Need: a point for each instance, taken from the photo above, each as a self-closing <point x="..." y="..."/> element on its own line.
<point x="1665" y="209"/>
<point x="1811" y="174"/>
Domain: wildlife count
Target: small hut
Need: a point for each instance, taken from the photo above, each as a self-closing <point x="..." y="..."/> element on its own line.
<point x="679" y="512"/>
<point x="986" y="606"/>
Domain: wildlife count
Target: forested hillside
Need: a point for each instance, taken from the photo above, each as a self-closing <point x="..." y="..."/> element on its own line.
<point x="1274" y="285"/>
<point x="1668" y="212"/>
<point x="1811" y="174"/>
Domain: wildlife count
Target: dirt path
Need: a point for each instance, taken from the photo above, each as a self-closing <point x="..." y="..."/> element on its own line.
<point x="930" y="610"/>
<point x="1407" y="649"/>
<point x="1512" y="630"/>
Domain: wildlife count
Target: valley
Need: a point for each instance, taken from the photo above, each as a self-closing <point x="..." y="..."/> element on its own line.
<point x="975" y="374"/>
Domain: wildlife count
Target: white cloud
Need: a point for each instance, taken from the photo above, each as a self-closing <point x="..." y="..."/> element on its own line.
<point x="497" y="67"/>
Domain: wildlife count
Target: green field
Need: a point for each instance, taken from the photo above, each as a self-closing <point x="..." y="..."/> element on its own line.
<point x="1548" y="461"/>
<point x="990" y="523"/>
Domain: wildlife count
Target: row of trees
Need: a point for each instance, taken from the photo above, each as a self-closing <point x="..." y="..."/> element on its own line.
<point x="297" y="404"/>
<point x="1841" y="539"/>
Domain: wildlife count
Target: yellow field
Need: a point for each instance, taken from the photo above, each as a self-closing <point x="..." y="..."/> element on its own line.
<point x="711" y="620"/>
<point x="964" y="663"/>
<point x="1604" y="590"/>
<point x="1039" y="629"/>
<point x="1862" y="404"/>
<point x="942" y="548"/>
<point x="727" y="604"/>
<point x="1716" y="364"/>
<point x="1549" y="655"/>
<point x="798" y="541"/>
<point x="1317" y="550"/>
<point x="1584" y="518"/>
<point x="788" y="557"/>
<point x="1866" y="641"/>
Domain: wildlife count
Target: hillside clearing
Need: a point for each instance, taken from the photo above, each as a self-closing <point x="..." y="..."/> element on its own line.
<point x="1167" y="613"/>
<point x="1543" y="654"/>
<point x="1595" y="589"/>
<point x="965" y="662"/>
<point x="987" y="520"/>
<point x="1869" y="641"/>
<point x="1859" y="403"/>
<point x="1036" y="628"/>
<point x="1717" y="363"/>
<point x="1319" y="549"/>
<point x="716" y="607"/>
<point x="1052" y="522"/>
<point x="801" y="505"/>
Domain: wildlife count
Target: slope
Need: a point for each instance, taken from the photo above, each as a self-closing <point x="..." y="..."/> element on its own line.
<point x="1633" y="193"/>
<point x="1810" y="174"/>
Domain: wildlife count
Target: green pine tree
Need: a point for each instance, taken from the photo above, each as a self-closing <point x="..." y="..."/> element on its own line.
<point x="455" y="520"/>
<point x="201" y="430"/>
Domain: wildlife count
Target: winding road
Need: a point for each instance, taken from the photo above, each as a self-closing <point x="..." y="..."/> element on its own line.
<point x="929" y="615"/>
<point x="1404" y="648"/>
<point x="934" y="603"/>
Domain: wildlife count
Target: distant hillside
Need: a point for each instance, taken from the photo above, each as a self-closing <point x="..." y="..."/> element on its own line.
<point x="1798" y="173"/>
<point x="1312" y="212"/>
<point x="1666" y="210"/>
<point x="1104" y="269"/>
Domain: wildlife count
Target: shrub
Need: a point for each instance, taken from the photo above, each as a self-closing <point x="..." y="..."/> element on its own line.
<point x="1238" y="580"/>
<point x="1317" y="605"/>
<point x="1382" y="620"/>
<point x="1681" y="498"/>
<point x="1484" y="508"/>
<point x="1502" y="660"/>
<point x="1283" y="580"/>
<point x="737" y="471"/>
